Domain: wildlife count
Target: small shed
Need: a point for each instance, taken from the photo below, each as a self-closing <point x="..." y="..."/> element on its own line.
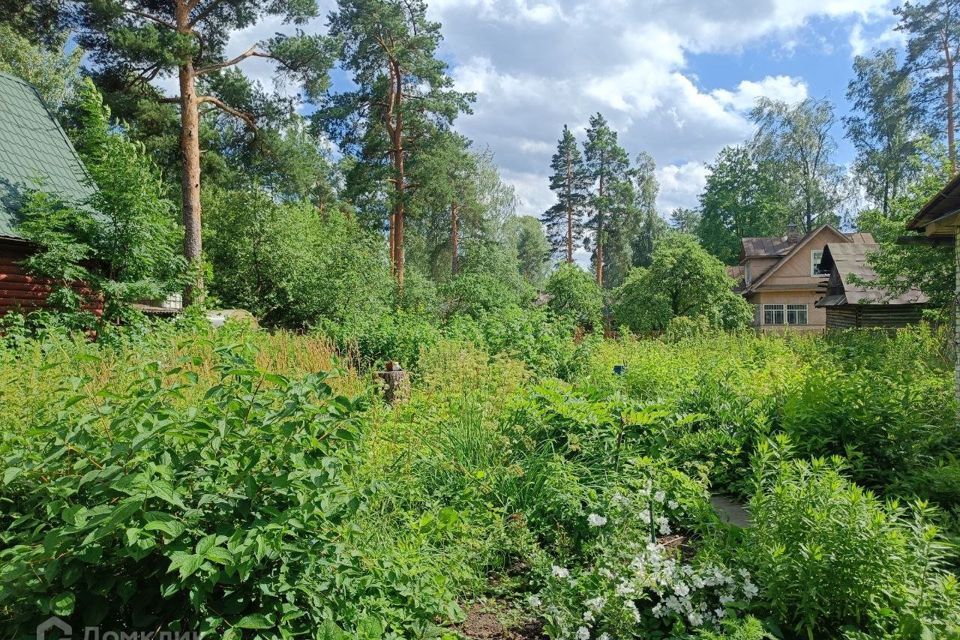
<point x="852" y="302"/>
<point x="35" y="153"/>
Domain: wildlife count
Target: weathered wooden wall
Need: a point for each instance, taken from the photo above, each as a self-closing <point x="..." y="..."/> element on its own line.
<point x="20" y="291"/>
<point x="854" y="316"/>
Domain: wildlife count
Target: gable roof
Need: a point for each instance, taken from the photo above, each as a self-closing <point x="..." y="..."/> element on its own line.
<point x="34" y="153"/>
<point x="849" y="261"/>
<point x="799" y="245"/>
<point x="768" y="247"/>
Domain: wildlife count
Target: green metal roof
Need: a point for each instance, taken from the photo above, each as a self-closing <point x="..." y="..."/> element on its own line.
<point x="35" y="153"/>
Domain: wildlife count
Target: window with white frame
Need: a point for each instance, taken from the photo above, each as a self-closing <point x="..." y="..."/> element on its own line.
<point x="781" y="314"/>
<point x="815" y="258"/>
<point x="773" y="314"/>
<point x="796" y="314"/>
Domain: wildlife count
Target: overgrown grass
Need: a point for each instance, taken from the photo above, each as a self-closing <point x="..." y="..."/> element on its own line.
<point x="303" y="505"/>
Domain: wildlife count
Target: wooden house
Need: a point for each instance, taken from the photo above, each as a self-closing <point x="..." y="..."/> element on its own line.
<point x="35" y="153"/>
<point x="852" y="302"/>
<point x="781" y="277"/>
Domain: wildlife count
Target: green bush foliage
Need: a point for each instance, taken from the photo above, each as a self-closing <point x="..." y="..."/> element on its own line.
<point x="576" y="296"/>
<point x="683" y="280"/>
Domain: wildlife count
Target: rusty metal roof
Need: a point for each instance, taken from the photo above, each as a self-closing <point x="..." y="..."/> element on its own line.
<point x="850" y="262"/>
<point x="944" y="204"/>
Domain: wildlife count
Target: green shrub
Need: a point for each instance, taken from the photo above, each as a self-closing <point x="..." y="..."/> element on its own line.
<point x="829" y="555"/>
<point x="575" y="296"/>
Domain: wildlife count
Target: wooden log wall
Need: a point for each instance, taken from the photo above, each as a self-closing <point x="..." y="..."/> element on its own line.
<point x="20" y="291"/>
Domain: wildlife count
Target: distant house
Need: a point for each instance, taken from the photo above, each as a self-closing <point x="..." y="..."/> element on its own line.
<point x="35" y="153"/>
<point x="782" y="277"/>
<point x="851" y="302"/>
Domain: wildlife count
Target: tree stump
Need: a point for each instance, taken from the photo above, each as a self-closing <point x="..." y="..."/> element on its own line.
<point x="395" y="383"/>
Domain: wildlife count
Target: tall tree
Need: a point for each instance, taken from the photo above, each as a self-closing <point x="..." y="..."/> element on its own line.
<point x="137" y="41"/>
<point x="884" y="127"/>
<point x="532" y="247"/>
<point x="445" y="202"/>
<point x="685" y="220"/>
<point x="933" y="46"/>
<point x="650" y="226"/>
<point x="742" y="198"/>
<point x="570" y="182"/>
<point x="607" y="165"/>
<point x="796" y="141"/>
<point x="403" y="94"/>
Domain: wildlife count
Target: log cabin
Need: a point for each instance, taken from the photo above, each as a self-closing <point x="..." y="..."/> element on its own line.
<point x="35" y="153"/>
<point x="851" y="302"/>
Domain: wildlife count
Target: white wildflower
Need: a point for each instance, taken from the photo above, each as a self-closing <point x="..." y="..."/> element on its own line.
<point x="695" y="619"/>
<point x="596" y="520"/>
<point x="673" y="504"/>
<point x="596" y="603"/>
<point x="750" y="590"/>
<point x="560" y="572"/>
<point x="605" y="573"/>
<point x="720" y="612"/>
<point x="624" y="589"/>
<point x="664" y="525"/>
<point x="645" y="517"/>
<point x="660" y="496"/>
<point x="583" y="633"/>
<point x="681" y="589"/>
<point x="657" y="610"/>
<point x="534" y="601"/>
<point x="620" y="499"/>
<point x="604" y="636"/>
<point x="588" y="616"/>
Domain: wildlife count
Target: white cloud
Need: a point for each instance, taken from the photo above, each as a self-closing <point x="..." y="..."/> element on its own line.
<point x="864" y="40"/>
<point x="775" y="87"/>
<point x="539" y="64"/>
<point x="680" y="185"/>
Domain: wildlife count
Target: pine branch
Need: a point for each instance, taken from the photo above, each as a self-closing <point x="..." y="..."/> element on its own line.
<point x="223" y="106"/>
<point x="251" y="52"/>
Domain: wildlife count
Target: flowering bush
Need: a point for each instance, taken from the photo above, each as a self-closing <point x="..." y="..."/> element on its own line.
<point x="639" y="581"/>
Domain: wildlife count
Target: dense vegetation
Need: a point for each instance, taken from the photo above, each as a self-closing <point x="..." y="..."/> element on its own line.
<point x="254" y="484"/>
<point x="553" y="465"/>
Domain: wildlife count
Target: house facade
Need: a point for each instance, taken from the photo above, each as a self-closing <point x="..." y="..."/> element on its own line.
<point x="35" y="153"/>
<point x="783" y="279"/>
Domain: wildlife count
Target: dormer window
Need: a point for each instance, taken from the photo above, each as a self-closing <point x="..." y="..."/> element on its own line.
<point x="815" y="270"/>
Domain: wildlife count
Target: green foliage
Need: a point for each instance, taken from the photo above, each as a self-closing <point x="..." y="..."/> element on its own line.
<point x="575" y="295"/>
<point x="50" y="69"/>
<point x="683" y="280"/>
<point x="570" y="182"/>
<point x="742" y="198"/>
<point x="830" y="556"/>
<point x="290" y="265"/>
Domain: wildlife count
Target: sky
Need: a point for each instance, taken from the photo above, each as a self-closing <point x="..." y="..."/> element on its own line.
<point x="675" y="78"/>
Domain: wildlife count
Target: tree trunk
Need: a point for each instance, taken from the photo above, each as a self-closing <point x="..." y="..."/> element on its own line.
<point x="190" y="173"/>
<point x="951" y="97"/>
<point x="599" y="238"/>
<point x="454" y="239"/>
<point x="956" y="318"/>
<point x="569" y="210"/>
<point x="395" y="128"/>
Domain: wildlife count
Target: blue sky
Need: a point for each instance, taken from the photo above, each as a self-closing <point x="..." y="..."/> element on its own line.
<point x="675" y="77"/>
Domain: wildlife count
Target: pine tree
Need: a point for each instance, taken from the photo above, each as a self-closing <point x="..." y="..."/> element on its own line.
<point x="138" y="41"/>
<point x="885" y="127"/>
<point x="403" y="96"/>
<point x="570" y="181"/>
<point x="933" y="31"/>
<point x="607" y="164"/>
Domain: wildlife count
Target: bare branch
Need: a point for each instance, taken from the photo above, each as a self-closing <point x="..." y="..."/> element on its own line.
<point x="251" y="52"/>
<point x="223" y="106"/>
<point x="150" y="17"/>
